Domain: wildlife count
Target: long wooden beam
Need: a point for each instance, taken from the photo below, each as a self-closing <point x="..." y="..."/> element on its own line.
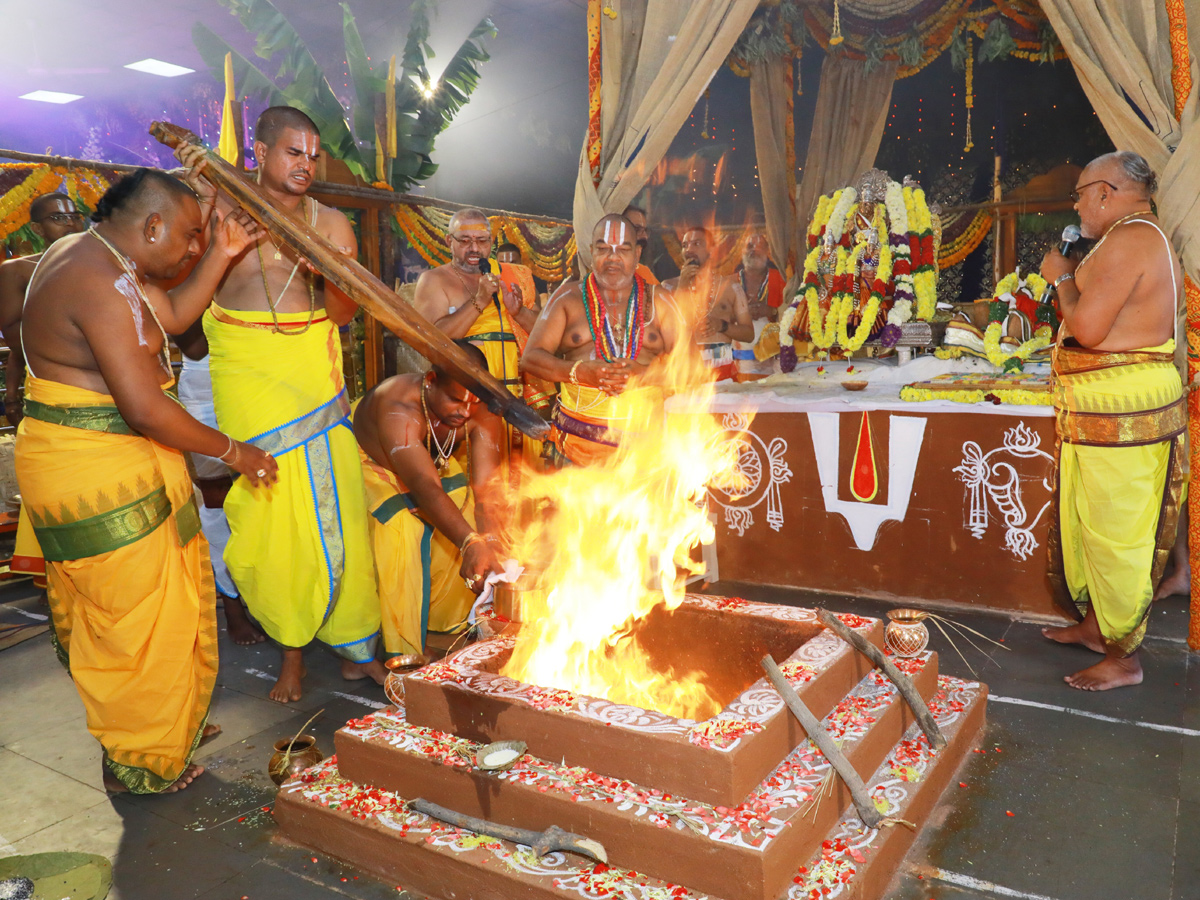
<point x="65" y="161"/>
<point x="362" y="287"/>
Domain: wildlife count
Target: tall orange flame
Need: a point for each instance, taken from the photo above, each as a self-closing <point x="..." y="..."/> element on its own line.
<point x="613" y="543"/>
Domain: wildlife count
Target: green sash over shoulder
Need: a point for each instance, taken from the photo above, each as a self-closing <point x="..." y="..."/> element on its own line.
<point x="108" y="529"/>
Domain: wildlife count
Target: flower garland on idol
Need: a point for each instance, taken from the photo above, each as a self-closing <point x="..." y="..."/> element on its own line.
<point x="1035" y="286"/>
<point x="923" y="256"/>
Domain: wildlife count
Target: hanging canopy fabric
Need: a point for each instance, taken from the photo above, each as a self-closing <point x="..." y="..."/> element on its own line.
<point x="656" y="57"/>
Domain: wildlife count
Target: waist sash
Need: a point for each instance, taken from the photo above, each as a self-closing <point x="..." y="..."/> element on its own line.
<point x="303" y="429"/>
<point x="1124" y="420"/>
<point x="113" y="528"/>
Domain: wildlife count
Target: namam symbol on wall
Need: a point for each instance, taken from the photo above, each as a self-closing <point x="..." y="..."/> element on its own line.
<point x="764" y="470"/>
<point x="989" y="478"/>
<point x="906" y="434"/>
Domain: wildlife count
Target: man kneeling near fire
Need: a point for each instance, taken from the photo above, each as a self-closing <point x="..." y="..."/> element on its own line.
<point x="430" y="522"/>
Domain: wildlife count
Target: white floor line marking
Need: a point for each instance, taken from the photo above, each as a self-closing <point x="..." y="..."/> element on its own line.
<point x="976" y="883"/>
<point x="1153" y="726"/>
<point x="259" y="673"/>
<point x="358" y="698"/>
<point x="24" y="612"/>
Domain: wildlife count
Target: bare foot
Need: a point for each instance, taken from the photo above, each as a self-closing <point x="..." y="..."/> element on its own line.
<point x="210" y="732"/>
<point x="352" y="671"/>
<point x="242" y="631"/>
<point x="1111" y="672"/>
<point x="113" y="785"/>
<point x="1179" y="582"/>
<point x="185" y="779"/>
<point x="291" y="672"/>
<point x="1074" y="634"/>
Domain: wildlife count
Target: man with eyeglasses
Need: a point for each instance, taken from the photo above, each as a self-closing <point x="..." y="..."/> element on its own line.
<point x="51" y="216"/>
<point x="482" y="300"/>
<point x="1121" y="417"/>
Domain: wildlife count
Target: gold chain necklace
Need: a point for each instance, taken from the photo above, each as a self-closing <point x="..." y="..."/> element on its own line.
<point x="308" y="279"/>
<point x="442" y="459"/>
<point x="128" y="269"/>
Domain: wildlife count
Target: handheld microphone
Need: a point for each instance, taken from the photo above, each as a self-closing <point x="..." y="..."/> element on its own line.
<point x="485" y="263"/>
<point x="1070" y="235"/>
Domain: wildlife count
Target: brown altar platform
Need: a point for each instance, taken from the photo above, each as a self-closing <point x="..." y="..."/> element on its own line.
<point x="792" y="832"/>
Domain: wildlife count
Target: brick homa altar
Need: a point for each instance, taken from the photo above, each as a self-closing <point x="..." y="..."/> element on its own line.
<point x="741" y="806"/>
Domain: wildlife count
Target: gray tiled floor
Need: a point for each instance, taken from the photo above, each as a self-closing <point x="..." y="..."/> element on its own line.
<point x="1100" y="808"/>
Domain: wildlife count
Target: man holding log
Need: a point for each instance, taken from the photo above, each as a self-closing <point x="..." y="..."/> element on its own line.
<point x="430" y="522"/>
<point x="300" y="555"/>
<point x="105" y="484"/>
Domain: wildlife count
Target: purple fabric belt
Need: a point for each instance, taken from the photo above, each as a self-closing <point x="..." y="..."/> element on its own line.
<point x="597" y="434"/>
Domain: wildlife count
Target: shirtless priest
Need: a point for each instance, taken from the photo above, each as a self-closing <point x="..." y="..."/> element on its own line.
<point x="714" y="304"/>
<point x="301" y="555"/>
<point x="593" y="337"/>
<point x="1121" y="416"/>
<point x="104" y="482"/>
<point x="433" y="526"/>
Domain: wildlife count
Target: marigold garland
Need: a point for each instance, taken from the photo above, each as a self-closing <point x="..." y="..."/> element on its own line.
<point x="951" y="253"/>
<point x="84" y="186"/>
<point x="1015" y="361"/>
<point x="1015" y="396"/>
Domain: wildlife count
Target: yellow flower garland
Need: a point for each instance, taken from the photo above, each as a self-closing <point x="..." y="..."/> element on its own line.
<point x="1001" y="360"/>
<point x="1011" y="282"/>
<point x="1015" y="396"/>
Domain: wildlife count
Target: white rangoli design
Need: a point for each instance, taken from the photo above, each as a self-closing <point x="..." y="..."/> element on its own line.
<point x="998" y="480"/>
<point x="763" y="467"/>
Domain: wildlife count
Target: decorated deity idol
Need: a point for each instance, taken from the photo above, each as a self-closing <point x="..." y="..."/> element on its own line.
<point x="871" y="266"/>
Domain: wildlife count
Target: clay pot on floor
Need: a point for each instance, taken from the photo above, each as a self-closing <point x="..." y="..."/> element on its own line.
<point x="292" y="756"/>
<point x="906" y="634"/>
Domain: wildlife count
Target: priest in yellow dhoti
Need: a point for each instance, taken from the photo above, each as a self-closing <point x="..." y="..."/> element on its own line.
<point x="104" y="483"/>
<point x="597" y="335"/>
<point x="495" y="306"/>
<point x="434" y="543"/>
<point x="1121" y="417"/>
<point x="300" y="554"/>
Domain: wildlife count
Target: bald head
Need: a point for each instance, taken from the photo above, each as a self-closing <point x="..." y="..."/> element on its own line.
<point x="469" y="216"/>
<point x="1126" y="170"/>
<point x="48" y="204"/>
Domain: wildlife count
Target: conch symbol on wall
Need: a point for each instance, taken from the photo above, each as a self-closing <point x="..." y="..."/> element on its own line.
<point x="905" y="437"/>
<point x="988" y="479"/>
<point x="763" y="467"/>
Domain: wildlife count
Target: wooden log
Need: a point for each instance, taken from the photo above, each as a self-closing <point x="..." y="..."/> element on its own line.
<point x="903" y="684"/>
<point x="67" y="162"/>
<point x="363" y="288"/>
<point x="867" y="811"/>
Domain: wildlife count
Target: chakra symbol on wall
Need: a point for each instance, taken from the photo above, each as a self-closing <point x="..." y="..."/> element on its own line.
<point x="763" y="467"/>
<point x="991" y="481"/>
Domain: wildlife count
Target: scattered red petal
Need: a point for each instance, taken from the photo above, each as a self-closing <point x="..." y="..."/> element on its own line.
<point x="1009" y="813"/>
<point x="962" y="784"/>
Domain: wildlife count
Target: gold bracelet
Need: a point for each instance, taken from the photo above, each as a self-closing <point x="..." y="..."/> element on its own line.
<point x="470" y="539"/>
<point x="573" y="378"/>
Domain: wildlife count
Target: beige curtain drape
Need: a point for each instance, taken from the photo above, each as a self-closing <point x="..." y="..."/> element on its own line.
<point x="1120" y="49"/>
<point x="852" y="108"/>
<point x="770" y="90"/>
<point x="657" y="57"/>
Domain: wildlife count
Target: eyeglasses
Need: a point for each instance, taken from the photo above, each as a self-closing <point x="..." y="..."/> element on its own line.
<point x="1074" y="195"/>
<point x="62" y="218"/>
<point x="472" y="241"/>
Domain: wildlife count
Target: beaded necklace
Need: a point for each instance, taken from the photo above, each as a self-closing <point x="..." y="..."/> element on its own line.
<point x="608" y="347"/>
<point x="127" y="267"/>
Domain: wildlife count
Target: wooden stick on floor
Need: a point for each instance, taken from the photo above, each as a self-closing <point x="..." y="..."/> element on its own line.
<point x="903" y="683"/>
<point x="867" y="811"/>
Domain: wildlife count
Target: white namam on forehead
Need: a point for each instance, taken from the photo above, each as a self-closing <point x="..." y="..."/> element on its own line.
<point x="617" y="232"/>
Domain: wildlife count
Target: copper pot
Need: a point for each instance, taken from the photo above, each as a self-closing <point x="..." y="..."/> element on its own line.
<point x="292" y="756"/>
<point x="397" y="666"/>
<point x="516" y="600"/>
<point x="906" y="634"/>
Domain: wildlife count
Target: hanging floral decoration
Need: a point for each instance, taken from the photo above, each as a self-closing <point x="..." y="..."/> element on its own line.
<point x="22" y="183"/>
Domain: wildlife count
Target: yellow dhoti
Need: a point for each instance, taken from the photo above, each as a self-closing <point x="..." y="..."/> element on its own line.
<point x="299" y="550"/>
<point x="588" y="423"/>
<point x="1121" y="420"/>
<point x="131" y="592"/>
<point x="419" y="586"/>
